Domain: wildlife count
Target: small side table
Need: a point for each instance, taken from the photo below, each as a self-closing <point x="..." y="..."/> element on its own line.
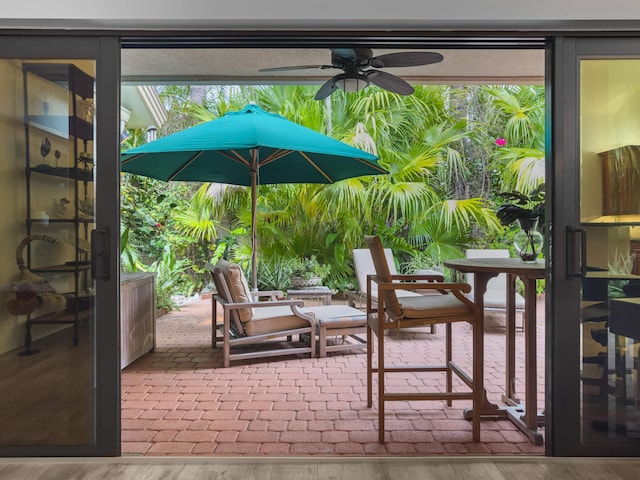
<point x="321" y="292"/>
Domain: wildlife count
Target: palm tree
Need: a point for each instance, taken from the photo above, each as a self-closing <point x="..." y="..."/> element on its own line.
<point x="520" y="113"/>
<point x="415" y="140"/>
<point x="197" y="220"/>
<point x="421" y="147"/>
<point x="431" y="204"/>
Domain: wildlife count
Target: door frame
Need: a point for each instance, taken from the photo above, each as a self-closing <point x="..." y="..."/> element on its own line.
<point x="561" y="76"/>
<point x="106" y="395"/>
<point x="563" y="190"/>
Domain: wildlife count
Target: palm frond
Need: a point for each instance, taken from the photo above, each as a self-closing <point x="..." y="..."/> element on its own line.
<point x="401" y="200"/>
<point x="461" y="215"/>
<point x="523" y="168"/>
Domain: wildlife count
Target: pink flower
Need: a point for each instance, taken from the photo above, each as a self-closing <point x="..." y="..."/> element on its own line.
<point x="501" y="142"/>
<point x="158" y="225"/>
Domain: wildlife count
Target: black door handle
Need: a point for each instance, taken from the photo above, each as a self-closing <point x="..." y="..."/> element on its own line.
<point x="576" y="260"/>
<point x="101" y="253"/>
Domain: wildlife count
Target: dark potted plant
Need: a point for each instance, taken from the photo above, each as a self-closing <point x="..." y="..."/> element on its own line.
<point x="528" y="211"/>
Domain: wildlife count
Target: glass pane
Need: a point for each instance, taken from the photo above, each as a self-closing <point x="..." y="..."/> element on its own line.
<point x="47" y="367"/>
<point x="610" y="215"/>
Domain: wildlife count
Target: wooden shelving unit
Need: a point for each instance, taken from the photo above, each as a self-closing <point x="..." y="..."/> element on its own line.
<point x="56" y="117"/>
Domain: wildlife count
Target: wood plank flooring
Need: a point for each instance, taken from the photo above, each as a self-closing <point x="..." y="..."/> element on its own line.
<point x="449" y="468"/>
<point x="46" y="397"/>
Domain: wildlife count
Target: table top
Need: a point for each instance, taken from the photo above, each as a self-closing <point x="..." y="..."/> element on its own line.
<point x="126" y="277"/>
<point x="502" y="265"/>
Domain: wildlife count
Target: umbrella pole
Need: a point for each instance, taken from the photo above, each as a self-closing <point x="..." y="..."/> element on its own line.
<point x="254" y="193"/>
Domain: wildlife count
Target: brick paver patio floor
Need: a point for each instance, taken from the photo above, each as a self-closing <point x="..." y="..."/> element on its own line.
<point x="179" y="400"/>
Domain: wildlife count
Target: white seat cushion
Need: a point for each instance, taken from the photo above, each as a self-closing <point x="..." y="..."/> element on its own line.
<point x="363" y="263"/>
<point x="497" y="299"/>
<point x="338" y="314"/>
<point x="496" y="294"/>
<point x="433" y="306"/>
<point x="273" y="319"/>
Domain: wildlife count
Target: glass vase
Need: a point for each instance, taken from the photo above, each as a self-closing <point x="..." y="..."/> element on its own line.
<point x="528" y="241"/>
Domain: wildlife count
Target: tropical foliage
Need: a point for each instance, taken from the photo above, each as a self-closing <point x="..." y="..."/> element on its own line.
<point x="521" y="206"/>
<point x="449" y="152"/>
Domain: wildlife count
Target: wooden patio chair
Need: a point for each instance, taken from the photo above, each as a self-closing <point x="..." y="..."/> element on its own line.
<point x="248" y="321"/>
<point x="363" y="266"/>
<point x="449" y="306"/>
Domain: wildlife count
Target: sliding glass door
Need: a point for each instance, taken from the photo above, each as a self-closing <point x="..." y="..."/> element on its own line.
<point x="595" y="391"/>
<point x="59" y="364"/>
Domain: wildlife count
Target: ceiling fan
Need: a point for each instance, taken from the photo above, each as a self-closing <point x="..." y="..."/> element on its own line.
<point x="360" y="69"/>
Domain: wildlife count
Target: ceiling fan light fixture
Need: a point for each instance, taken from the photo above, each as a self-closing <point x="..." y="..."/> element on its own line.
<point x="351" y="83"/>
<point x="356" y="64"/>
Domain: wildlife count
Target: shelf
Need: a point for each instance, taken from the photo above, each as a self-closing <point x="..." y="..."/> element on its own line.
<point x="610" y="224"/>
<point x="71" y="173"/>
<point x="62" y="317"/>
<point x="62" y="268"/>
<point x="62" y="125"/>
<point x="73" y="93"/>
<point x="64" y="74"/>
<point x="605" y="275"/>
<point x="82" y="221"/>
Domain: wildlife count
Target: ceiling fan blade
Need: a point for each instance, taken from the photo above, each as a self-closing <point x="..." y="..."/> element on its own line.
<point x="294" y="67"/>
<point x="326" y="89"/>
<point x="389" y="82"/>
<point x="405" y="59"/>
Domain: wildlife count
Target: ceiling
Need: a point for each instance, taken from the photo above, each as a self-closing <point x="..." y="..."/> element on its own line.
<point x="241" y="66"/>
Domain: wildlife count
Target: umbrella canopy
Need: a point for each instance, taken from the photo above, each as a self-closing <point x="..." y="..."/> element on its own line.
<point x="250" y="147"/>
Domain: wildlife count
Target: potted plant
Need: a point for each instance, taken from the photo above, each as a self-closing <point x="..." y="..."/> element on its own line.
<point x="308" y="272"/>
<point x="527" y="210"/>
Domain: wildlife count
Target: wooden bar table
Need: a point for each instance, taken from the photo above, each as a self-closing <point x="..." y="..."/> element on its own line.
<point x="525" y="417"/>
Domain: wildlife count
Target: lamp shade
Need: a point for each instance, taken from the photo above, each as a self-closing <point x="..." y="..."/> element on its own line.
<point x="351" y="82"/>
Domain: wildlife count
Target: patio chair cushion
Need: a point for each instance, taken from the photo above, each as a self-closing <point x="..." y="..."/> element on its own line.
<point x="327" y="314"/>
<point x="363" y="264"/>
<point x="495" y="297"/>
<point x="436" y="306"/>
<point x="238" y="288"/>
<point x="273" y="319"/>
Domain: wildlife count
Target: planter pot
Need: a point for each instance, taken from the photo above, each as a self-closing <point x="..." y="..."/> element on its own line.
<point x="302" y="282"/>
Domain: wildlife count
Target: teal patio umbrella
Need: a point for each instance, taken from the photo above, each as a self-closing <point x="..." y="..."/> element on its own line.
<point x="250" y="147"/>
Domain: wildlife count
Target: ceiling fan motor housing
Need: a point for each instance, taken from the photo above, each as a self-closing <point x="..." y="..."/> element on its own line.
<point x="351" y="58"/>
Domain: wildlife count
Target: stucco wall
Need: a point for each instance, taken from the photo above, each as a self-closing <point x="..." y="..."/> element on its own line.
<point x="12" y="195"/>
<point x="609" y="120"/>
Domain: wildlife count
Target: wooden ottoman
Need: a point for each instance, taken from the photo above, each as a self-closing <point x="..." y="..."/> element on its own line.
<point x="339" y="320"/>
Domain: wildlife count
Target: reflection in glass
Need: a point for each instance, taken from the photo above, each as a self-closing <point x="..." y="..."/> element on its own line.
<point x="46" y="305"/>
<point x="610" y="215"/>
